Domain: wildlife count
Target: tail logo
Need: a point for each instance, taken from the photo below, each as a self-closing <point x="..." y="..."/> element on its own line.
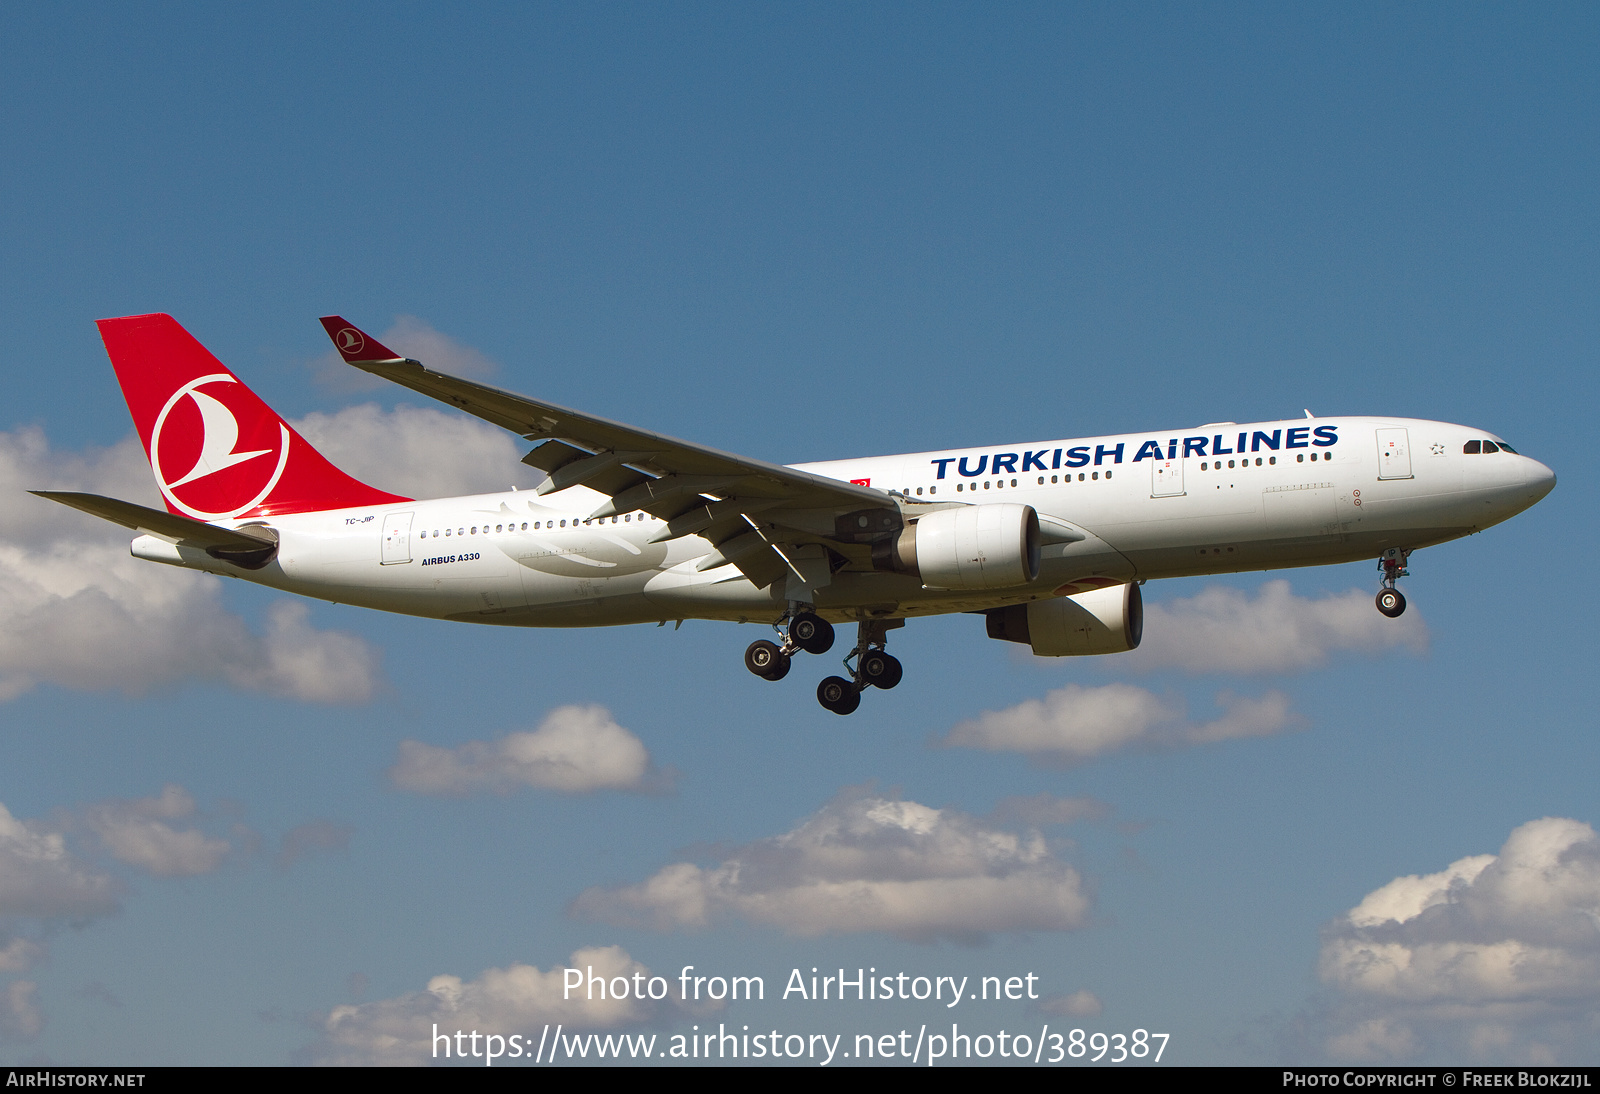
<point x="350" y="341"/>
<point x="209" y="497"/>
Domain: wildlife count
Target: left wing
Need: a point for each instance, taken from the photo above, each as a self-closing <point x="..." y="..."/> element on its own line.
<point x="763" y="518"/>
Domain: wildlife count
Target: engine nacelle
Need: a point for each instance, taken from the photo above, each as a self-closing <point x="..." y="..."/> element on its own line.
<point x="1101" y="621"/>
<point x="973" y="547"/>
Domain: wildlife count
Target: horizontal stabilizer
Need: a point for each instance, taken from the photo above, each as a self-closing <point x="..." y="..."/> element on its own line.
<point x="250" y="547"/>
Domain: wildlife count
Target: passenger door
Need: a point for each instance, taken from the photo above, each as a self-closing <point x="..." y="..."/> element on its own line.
<point x="1394" y="454"/>
<point x="397" y="538"/>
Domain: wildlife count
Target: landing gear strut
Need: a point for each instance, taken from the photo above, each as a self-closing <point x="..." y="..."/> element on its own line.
<point x="1391" y="602"/>
<point x="800" y="629"/>
<point x="873" y="668"/>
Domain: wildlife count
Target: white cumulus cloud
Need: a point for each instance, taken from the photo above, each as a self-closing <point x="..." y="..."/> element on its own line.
<point x="575" y="749"/>
<point x="1495" y="957"/>
<point x="1075" y="724"/>
<point x="518" y="999"/>
<point x="865" y="863"/>
<point x="420" y="452"/>
<point x="41" y="879"/>
<point x="137" y="833"/>
<point x="76" y="610"/>
<point x="1226" y="630"/>
<point x="43" y="886"/>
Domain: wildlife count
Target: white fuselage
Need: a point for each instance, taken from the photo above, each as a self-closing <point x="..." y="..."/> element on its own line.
<point x="1294" y="493"/>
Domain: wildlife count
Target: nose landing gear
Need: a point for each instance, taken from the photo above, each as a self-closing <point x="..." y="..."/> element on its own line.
<point x="1391" y="602"/>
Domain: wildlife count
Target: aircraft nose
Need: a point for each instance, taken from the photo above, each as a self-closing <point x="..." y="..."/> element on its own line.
<point x="1539" y="478"/>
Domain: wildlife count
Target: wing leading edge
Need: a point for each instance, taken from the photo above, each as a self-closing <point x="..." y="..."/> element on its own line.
<point x="759" y="517"/>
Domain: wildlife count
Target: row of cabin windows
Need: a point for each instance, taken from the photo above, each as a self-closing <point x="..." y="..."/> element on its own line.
<point x="545" y="525"/>
<point x="1216" y="465"/>
<point x="1473" y="448"/>
<point x="1000" y="484"/>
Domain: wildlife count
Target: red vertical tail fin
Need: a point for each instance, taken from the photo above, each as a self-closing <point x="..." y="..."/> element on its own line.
<point x="218" y="451"/>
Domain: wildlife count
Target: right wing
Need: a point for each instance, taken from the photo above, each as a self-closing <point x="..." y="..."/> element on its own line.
<point x="759" y="516"/>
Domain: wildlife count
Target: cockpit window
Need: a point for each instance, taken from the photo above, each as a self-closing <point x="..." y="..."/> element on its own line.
<point x="1507" y="448"/>
<point x="1472" y="448"/>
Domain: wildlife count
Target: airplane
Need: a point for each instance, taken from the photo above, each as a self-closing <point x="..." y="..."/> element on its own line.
<point x="1050" y="541"/>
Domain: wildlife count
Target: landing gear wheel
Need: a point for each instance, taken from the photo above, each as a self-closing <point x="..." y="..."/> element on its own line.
<point x="839" y="695"/>
<point x="766" y="660"/>
<point x="1391" y="603"/>
<point x="880" y="670"/>
<point x="811" y="632"/>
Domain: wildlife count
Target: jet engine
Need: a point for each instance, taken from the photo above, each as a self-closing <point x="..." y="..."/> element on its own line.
<point x="1101" y="621"/>
<point x="973" y="547"/>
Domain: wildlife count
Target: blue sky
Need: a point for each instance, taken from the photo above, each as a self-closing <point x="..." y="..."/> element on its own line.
<point x="802" y="233"/>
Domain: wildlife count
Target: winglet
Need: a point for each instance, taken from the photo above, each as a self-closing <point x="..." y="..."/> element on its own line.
<point x="355" y="344"/>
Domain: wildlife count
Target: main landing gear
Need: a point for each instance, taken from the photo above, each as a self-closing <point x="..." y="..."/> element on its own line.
<point x="804" y="630"/>
<point x="874" y="667"/>
<point x="1391" y="602"/>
